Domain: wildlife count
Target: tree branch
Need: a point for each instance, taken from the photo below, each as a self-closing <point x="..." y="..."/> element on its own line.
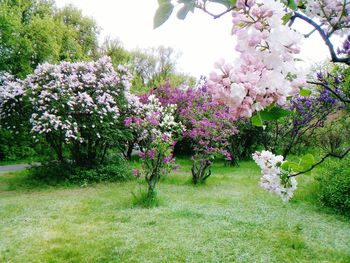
<point x="331" y="90"/>
<point x="325" y="38"/>
<point x="215" y="16"/>
<point x="335" y="155"/>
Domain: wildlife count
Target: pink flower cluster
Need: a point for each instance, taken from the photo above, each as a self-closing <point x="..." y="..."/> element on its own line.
<point x="265" y="71"/>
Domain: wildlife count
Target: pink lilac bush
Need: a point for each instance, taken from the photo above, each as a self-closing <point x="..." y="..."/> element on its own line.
<point x="209" y="125"/>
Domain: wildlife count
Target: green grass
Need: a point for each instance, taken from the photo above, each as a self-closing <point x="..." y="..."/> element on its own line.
<point x="228" y="219"/>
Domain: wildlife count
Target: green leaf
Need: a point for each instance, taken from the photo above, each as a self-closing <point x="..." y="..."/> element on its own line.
<point x="257" y="120"/>
<point x="292" y="5"/>
<point x="305" y="92"/>
<point x="274" y="113"/>
<point x="182" y="13"/>
<point x="163" y="12"/>
<point x="233" y="2"/>
<point x="269" y="114"/>
<point x="291" y="166"/>
<point x="226" y="3"/>
<point x="286" y="18"/>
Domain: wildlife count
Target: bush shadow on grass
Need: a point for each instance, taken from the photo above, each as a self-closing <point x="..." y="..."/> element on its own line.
<point x="23" y="181"/>
<point x="55" y="174"/>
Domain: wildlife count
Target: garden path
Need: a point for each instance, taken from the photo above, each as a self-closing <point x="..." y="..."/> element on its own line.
<point x="13" y="167"/>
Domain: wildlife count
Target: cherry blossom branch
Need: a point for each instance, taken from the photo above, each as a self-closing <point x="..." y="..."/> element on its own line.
<point x="324" y="36"/>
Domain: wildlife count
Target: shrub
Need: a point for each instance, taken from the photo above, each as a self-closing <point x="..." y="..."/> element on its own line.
<point x="76" y="108"/>
<point x="334" y="185"/>
<point x="157" y="135"/>
<point x="209" y="126"/>
<point x="56" y="172"/>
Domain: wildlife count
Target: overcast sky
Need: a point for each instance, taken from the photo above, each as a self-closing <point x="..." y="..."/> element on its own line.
<point x="200" y="39"/>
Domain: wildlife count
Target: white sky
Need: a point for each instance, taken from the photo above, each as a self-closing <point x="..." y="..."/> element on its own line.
<point x="200" y="39"/>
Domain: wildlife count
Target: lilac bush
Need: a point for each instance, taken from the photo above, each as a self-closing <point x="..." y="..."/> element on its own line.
<point x="157" y="134"/>
<point x="209" y="125"/>
<point x="307" y="115"/>
<point x="76" y="107"/>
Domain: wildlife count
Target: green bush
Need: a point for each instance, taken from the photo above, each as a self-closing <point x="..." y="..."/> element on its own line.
<point x="334" y="185"/>
<point x="55" y="172"/>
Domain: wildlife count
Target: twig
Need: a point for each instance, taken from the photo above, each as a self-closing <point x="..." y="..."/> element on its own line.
<point x="331" y="90"/>
<point x="339" y="156"/>
<point x="215" y="16"/>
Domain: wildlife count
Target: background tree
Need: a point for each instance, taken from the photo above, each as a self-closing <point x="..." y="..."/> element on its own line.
<point x="34" y="32"/>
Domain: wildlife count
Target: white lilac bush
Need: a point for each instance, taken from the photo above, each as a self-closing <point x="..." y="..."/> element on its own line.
<point x="75" y="107"/>
<point x="11" y="102"/>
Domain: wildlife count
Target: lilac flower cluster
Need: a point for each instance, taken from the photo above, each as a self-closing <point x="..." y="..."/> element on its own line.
<point x="334" y="15"/>
<point x="345" y="50"/>
<point x="274" y="178"/>
<point x="313" y="108"/>
<point x="265" y="72"/>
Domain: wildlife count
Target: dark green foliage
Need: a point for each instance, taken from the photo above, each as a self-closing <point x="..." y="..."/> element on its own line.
<point x="21" y="146"/>
<point x="11" y="147"/>
<point x="110" y="172"/>
<point x="334" y="185"/>
<point x="247" y="141"/>
<point x="57" y="173"/>
<point x="184" y="147"/>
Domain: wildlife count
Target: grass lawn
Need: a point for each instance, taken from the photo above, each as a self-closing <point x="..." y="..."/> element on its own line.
<point x="230" y="219"/>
